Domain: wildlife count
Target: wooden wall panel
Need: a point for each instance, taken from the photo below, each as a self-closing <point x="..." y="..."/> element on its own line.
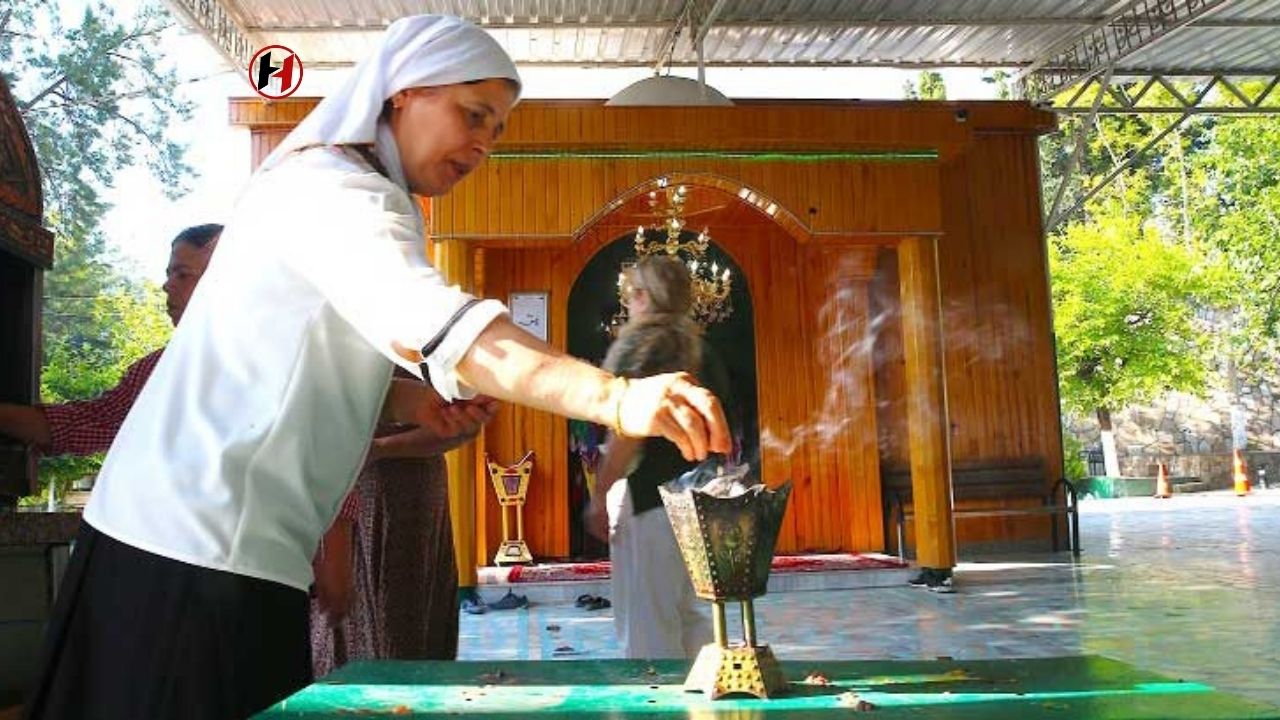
<point x="516" y="430"/>
<point x="1001" y="381"/>
<point x="996" y="303"/>
<point x="835" y="197"/>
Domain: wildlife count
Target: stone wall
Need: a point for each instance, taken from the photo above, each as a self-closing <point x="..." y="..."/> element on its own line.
<point x="1192" y="435"/>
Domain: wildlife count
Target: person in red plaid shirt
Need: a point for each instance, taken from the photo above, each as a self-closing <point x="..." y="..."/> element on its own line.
<point x="84" y="427"/>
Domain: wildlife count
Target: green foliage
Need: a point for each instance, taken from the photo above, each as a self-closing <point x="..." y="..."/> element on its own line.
<point x="1074" y="468"/>
<point x="1152" y="185"/>
<point x="110" y="332"/>
<point x="95" y="100"/>
<point x="1237" y="210"/>
<point x="1212" y="183"/>
<point x="930" y="86"/>
<point x="1125" y="303"/>
<point x="1001" y="79"/>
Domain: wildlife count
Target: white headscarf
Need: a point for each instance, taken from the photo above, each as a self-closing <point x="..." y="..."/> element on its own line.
<point x="418" y="51"/>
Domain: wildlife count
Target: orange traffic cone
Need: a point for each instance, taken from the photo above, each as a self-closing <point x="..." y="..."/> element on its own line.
<point x="1238" y="475"/>
<point x="1163" y="490"/>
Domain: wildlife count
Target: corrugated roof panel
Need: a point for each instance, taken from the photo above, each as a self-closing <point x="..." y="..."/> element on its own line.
<point x="875" y="32"/>
<point x="1223" y="49"/>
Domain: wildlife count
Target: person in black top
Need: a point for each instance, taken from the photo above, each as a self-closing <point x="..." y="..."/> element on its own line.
<point x="655" y="614"/>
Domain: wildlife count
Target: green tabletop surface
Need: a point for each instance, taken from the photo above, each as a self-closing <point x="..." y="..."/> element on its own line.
<point x="1026" y="689"/>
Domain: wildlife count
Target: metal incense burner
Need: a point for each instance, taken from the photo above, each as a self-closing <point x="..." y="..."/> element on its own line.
<point x="727" y="543"/>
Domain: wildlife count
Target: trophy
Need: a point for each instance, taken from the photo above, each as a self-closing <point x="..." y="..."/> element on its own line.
<point x="726" y="534"/>
<point x="511" y="485"/>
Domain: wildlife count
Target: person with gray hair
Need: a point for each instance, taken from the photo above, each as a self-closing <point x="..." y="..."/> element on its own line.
<point x="187" y="593"/>
<point x="654" y="610"/>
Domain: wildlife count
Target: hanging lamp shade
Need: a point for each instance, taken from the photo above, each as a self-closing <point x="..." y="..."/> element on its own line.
<point x="670" y="91"/>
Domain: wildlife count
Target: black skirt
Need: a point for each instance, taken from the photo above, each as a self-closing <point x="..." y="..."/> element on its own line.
<point x="135" y="635"/>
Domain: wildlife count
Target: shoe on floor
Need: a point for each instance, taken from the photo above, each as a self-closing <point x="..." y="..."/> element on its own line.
<point x="474" y="606"/>
<point x="510" y="601"/>
<point x="933" y="579"/>
<point x="592" y="602"/>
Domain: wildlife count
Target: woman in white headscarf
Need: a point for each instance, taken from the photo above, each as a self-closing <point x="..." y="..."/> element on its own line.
<point x="187" y="593"/>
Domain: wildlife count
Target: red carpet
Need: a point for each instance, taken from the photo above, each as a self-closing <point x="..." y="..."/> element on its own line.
<point x="567" y="572"/>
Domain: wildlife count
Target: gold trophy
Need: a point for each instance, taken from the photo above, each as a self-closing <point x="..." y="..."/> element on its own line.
<point x="511" y="485"/>
<point x="727" y="542"/>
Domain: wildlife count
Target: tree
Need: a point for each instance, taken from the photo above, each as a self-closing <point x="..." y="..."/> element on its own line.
<point x="931" y="87"/>
<point x="1001" y="80"/>
<point x="1211" y="184"/>
<point x="1237" y="210"/>
<point x="95" y="100"/>
<point x="1125" y="303"/>
<point x="1151" y="183"/>
<point x="106" y="333"/>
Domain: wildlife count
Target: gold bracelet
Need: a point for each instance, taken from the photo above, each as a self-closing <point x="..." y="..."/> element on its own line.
<point x="617" y="405"/>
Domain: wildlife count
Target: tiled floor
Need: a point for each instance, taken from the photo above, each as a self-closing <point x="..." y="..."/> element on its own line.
<point x="1189" y="587"/>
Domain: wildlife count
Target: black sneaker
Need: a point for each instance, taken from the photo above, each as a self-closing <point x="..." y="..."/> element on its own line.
<point x="942" y="587"/>
<point x="933" y="579"/>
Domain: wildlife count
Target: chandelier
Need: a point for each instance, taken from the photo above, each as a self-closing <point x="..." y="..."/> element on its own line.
<point x="666" y="235"/>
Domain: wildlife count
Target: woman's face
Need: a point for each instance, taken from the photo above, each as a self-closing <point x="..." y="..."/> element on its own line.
<point x="637" y="302"/>
<point x="444" y="132"/>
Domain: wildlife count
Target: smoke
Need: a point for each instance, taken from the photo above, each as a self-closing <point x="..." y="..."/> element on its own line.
<point x="844" y="391"/>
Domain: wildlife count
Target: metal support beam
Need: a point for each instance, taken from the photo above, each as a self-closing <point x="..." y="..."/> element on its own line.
<point x="229" y="38"/>
<point x="1077" y="151"/>
<point x="667" y="45"/>
<point x="1131" y="159"/>
<point x="702" y="22"/>
<point x="1137" y="25"/>
<point x="1231" y="100"/>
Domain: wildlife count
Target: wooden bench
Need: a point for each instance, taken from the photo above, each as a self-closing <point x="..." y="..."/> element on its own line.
<point x="990" y="482"/>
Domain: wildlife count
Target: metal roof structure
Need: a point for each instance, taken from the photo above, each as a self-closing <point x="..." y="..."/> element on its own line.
<point x="1087" y="57"/>
<point x="1050" y="44"/>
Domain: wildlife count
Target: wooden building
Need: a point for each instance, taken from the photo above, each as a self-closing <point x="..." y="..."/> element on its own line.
<point x="890" y="263"/>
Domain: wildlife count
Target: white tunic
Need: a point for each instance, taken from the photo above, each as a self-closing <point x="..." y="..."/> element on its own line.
<point x="257" y="418"/>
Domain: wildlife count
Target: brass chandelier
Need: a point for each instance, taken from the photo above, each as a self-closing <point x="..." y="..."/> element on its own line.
<point x="711" y="284"/>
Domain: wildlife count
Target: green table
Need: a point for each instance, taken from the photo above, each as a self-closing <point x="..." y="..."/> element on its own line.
<point x="1067" y="688"/>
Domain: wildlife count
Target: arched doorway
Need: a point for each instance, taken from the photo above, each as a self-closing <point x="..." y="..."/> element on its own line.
<point x="593" y="300"/>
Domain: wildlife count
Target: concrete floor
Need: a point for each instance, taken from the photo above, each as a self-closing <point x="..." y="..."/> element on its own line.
<point x="1187" y="587"/>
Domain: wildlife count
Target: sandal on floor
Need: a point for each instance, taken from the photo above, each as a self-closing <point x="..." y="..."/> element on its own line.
<point x="598" y="603"/>
<point x="510" y="601"/>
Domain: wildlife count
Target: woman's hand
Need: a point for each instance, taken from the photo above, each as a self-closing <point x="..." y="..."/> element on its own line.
<point x="675" y="407"/>
<point x="596" y="519"/>
<point x="420" y="442"/>
<point x="415" y="403"/>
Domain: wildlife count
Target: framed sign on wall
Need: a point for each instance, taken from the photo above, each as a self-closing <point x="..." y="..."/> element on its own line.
<point x="529" y="311"/>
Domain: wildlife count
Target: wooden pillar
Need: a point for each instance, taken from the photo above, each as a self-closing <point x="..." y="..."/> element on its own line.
<point x="452" y="259"/>
<point x="927" y="417"/>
